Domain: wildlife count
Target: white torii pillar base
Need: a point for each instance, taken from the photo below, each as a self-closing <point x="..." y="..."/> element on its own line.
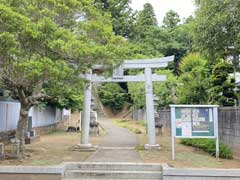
<point x="152" y="147"/>
<point x="85" y="147"/>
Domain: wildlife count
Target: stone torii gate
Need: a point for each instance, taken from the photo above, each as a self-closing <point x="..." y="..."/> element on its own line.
<point x="118" y="76"/>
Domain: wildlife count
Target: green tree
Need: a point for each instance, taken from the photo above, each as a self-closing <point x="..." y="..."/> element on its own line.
<point x="166" y="91"/>
<point x="44" y="45"/>
<point x="222" y="91"/>
<point x="194" y="80"/>
<point x="146" y="20"/>
<point x="123" y="17"/>
<point x="157" y="41"/>
<point x="216" y="29"/>
<point x="137" y="93"/>
<point x="113" y="96"/>
<point x="171" y="20"/>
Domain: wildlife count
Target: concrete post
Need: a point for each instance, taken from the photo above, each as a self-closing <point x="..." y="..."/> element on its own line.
<point x="150" y="110"/>
<point x="86" y="113"/>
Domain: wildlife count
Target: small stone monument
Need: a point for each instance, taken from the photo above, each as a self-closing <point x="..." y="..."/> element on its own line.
<point x="15" y="148"/>
<point x="94" y="125"/>
<point x="158" y="125"/>
<point x="2" y="154"/>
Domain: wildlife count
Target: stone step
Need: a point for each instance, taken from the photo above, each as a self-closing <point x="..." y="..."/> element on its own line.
<point x="114" y="166"/>
<point x="98" y="179"/>
<point x="113" y="174"/>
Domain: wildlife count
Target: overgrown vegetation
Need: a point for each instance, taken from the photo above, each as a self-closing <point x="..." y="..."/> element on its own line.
<point x="113" y="96"/>
<point x="209" y="145"/>
<point x="126" y="124"/>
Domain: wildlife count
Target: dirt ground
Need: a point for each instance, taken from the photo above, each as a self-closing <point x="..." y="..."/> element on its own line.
<point x="186" y="156"/>
<point x="54" y="148"/>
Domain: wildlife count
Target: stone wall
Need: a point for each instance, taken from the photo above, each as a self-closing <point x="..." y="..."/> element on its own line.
<point x="6" y="136"/>
<point x="229" y="128"/>
<point x="50" y="128"/>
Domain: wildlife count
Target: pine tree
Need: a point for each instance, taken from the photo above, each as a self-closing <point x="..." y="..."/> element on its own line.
<point x="146" y="21"/>
<point x="171" y="20"/>
<point x="222" y="91"/>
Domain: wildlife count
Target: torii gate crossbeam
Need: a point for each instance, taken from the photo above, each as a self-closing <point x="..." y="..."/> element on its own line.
<point x="118" y="76"/>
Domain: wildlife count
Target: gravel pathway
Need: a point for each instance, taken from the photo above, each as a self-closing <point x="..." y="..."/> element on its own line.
<point x="118" y="145"/>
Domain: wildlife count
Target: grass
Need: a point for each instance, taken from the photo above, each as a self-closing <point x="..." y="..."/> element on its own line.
<point x="142" y="123"/>
<point x="209" y="146"/>
<point x="139" y="148"/>
<point x="128" y="125"/>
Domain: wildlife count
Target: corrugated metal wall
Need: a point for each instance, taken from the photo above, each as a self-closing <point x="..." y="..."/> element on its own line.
<point x="9" y="115"/>
<point x="43" y="117"/>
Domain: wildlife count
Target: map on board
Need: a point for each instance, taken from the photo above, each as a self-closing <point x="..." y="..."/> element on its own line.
<point x="194" y="122"/>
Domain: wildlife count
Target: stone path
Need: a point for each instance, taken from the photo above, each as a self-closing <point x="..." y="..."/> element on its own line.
<point x="118" y="145"/>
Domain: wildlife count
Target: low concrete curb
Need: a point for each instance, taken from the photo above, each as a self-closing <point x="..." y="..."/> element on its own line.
<point x="32" y="169"/>
<point x="170" y="173"/>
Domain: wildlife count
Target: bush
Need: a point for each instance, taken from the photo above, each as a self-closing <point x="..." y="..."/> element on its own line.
<point x="209" y="145"/>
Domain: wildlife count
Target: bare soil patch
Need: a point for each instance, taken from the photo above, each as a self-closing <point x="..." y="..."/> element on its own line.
<point x="55" y="148"/>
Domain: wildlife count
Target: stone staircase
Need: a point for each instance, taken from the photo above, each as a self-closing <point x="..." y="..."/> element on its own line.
<point x="110" y="171"/>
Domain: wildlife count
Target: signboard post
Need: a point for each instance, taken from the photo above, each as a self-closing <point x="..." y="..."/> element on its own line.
<point x="194" y="121"/>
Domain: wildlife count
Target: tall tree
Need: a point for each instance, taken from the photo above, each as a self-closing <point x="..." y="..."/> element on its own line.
<point x="44" y="45"/>
<point x="216" y="29"/>
<point x="171" y="20"/>
<point x="146" y="20"/>
<point x="123" y="16"/>
<point x="222" y="91"/>
<point x="194" y="80"/>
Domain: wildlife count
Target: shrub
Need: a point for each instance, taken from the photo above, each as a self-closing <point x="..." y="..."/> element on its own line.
<point x="209" y="145"/>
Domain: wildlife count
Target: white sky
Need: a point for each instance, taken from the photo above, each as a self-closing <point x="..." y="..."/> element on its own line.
<point x="184" y="8"/>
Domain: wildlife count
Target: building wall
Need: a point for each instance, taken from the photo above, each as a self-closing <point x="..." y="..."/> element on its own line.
<point x="48" y="118"/>
<point x="9" y="115"/>
<point x="43" y="117"/>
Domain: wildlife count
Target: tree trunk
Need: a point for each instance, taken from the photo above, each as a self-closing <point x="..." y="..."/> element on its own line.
<point x="21" y="129"/>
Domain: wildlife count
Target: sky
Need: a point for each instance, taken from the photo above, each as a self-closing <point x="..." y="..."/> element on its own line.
<point x="184" y="8"/>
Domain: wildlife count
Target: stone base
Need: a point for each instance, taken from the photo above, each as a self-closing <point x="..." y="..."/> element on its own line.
<point x="152" y="147"/>
<point x="85" y="147"/>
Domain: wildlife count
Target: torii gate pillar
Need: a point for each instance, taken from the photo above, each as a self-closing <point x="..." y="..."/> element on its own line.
<point x="150" y="110"/>
<point x="86" y="114"/>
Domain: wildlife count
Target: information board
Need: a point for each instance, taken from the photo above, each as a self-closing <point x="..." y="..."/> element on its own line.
<point x="194" y="121"/>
